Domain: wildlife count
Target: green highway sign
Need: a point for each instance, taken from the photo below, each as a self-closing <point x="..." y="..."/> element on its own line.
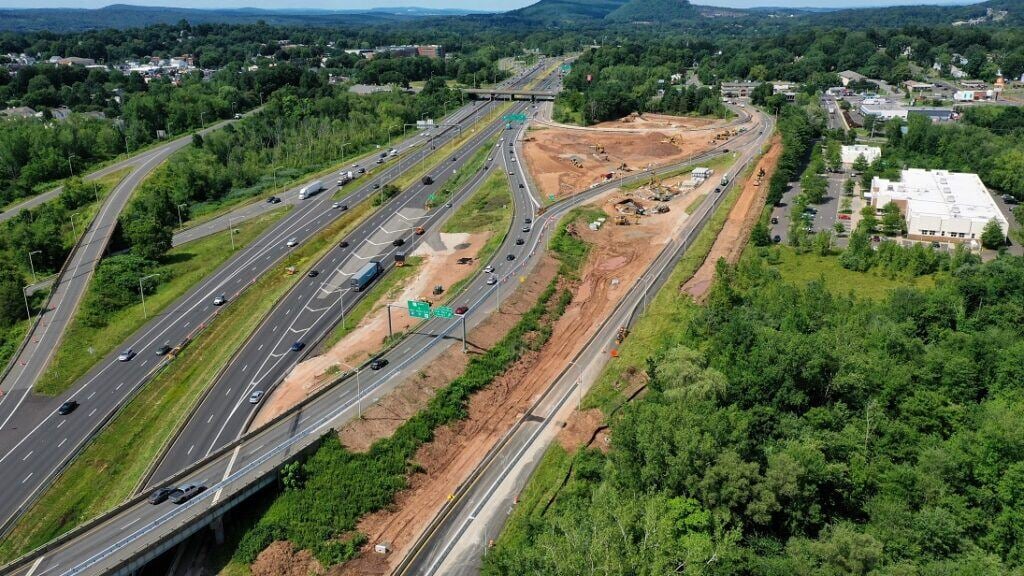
<point x="566" y="67"/>
<point x="431" y="197"/>
<point x="515" y="118"/>
<point x="419" y="309"/>
<point x="444" y="312"/>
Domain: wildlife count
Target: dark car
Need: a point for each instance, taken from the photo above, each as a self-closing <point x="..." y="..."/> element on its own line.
<point x="376" y="186"/>
<point x="775" y="220"/>
<point x="160" y="494"/>
<point x="510" y="257"/>
<point x="273" y="200"/>
<point x="529" y="220"/>
<point x="343" y="244"/>
<point x="298" y="346"/>
<point x="163" y="350"/>
<point x="462" y="310"/>
<point x="67" y="408"/>
<point x="186" y="492"/>
<point x="520" y="241"/>
<point x="777" y="239"/>
<point x="397" y="242"/>
<point x="378" y="363"/>
<point x="313" y="273"/>
<point x="521" y="185"/>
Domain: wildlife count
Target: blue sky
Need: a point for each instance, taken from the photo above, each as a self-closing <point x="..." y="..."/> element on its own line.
<point x="471" y="4"/>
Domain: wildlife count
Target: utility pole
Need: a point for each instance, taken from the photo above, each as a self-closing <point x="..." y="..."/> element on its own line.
<point x="73" y="229"/>
<point x="231" y="232"/>
<point x="180" y="225"/>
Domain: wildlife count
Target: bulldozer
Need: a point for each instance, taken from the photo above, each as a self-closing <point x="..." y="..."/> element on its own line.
<point x="621" y="334"/>
<point x="622" y="220"/>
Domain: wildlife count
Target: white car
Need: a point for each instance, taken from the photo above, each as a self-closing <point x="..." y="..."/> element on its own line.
<point x="492" y="280"/>
<point x="126" y="355"/>
<point x="256" y="396"/>
<point x="488" y="269"/>
<point x="293" y="242"/>
<point x="220" y="300"/>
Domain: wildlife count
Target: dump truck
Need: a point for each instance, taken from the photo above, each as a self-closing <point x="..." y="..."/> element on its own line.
<point x="364" y="276"/>
<point x="311" y="189"/>
<point x="399" y="259"/>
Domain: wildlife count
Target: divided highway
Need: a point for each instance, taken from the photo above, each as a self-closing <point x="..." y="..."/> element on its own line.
<point x="137" y="531"/>
<point x="315" y="305"/>
<point x="36" y="449"/>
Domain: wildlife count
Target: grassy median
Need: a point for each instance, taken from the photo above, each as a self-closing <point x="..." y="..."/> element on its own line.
<point x="109" y="469"/>
<point x="182" y="268"/>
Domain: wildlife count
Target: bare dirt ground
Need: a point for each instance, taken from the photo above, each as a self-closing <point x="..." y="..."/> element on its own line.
<point x="438" y="267"/>
<point x="564" y="160"/>
<point x="619" y="256"/>
<point x="736" y="232"/>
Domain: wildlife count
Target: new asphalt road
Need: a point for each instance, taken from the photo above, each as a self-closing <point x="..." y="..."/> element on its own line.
<point x="312" y="309"/>
<point x="36" y="448"/>
<point x="457" y="538"/>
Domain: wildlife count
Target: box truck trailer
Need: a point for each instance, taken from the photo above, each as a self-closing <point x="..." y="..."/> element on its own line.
<point x="365" y="275"/>
<point x="310" y="189"/>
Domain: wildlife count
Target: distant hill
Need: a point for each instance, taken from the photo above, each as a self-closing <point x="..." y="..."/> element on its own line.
<point x="568" y="11"/>
<point x="896" y="16"/>
<point x="128" y="16"/>
<point x="653" y="11"/>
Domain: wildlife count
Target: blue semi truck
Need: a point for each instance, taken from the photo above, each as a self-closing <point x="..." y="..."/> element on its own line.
<point x="365" y="275"/>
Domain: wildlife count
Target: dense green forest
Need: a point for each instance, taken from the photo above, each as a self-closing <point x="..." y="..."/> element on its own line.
<point x="789" y="430"/>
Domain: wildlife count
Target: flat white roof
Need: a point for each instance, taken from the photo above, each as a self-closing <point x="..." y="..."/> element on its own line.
<point x="941" y="194"/>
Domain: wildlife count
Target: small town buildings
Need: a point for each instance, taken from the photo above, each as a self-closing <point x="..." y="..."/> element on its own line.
<point x="849" y="154"/>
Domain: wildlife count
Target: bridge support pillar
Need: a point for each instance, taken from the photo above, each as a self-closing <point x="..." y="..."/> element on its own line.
<point x="218" y="529"/>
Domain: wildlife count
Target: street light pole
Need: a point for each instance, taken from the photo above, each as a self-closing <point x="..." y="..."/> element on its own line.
<point x="142" y="293"/>
<point x="32" y="264"/>
<point x="73" y="229"/>
<point x="231" y="233"/>
<point x="24" y="294"/>
<point x="180" y="225"/>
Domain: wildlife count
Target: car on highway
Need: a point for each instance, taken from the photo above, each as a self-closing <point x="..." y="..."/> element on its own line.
<point x="489" y="269"/>
<point x="163" y="350"/>
<point x="462" y="309"/>
<point x="376" y="186"/>
<point x="160" y="495"/>
<point x="397" y="242"/>
<point x="339" y="206"/>
<point x="186" y="492"/>
<point x="238" y="116"/>
<point x="526" y="229"/>
<point x="528" y="221"/>
<point x="220" y="300"/>
<point x="292" y="242"/>
<point x="492" y="280"/>
<point x="520" y="241"/>
<point x="313" y="273"/>
<point x="126" y="355"/>
<point x="273" y="200"/>
<point x="521" y="185"/>
<point x="256" y="396"/>
<point x="298" y="346"/>
<point x="378" y="363"/>
<point x="67" y="407"/>
<point x="511" y="173"/>
<point x="343" y="244"/>
<point x="510" y="257"/>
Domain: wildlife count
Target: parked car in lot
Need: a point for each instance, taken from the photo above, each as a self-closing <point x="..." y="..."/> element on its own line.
<point x="256" y="396"/>
<point x="378" y="363"/>
<point x="126" y="355"/>
<point x="67" y="407"/>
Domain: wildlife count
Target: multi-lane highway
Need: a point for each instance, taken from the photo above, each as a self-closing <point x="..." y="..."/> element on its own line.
<point x="459" y="535"/>
<point x="19" y="409"/>
<point x="35" y="450"/>
<point x="313" y="307"/>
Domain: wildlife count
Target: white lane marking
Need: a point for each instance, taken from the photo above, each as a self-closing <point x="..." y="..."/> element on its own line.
<point x="228" y="392"/>
<point x="35" y="566"/>
<point x="93" y="412"/>
<point x="91" y="394"/>
<point x="30" y="453"/>
<point x="130" y="523"/>
<point x="62" y="442"/>
<point x="210" y="419"/>
<point x="244" y="367"/>
<point x="227" y="472"/>
<point x="119" y="386"/>
<point x="27" y="477"/>
<point x="190" y="450"/>
<point x="61" y="423"/>
<point x="260" y="348"/>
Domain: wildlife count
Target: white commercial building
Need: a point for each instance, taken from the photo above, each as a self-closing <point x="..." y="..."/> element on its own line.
<point x="939" y="205"/>
<point x="701" y="173"/>
<point x="849" y="154"/>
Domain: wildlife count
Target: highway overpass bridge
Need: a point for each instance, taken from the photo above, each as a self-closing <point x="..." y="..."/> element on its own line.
<point x="508" y="94"/>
